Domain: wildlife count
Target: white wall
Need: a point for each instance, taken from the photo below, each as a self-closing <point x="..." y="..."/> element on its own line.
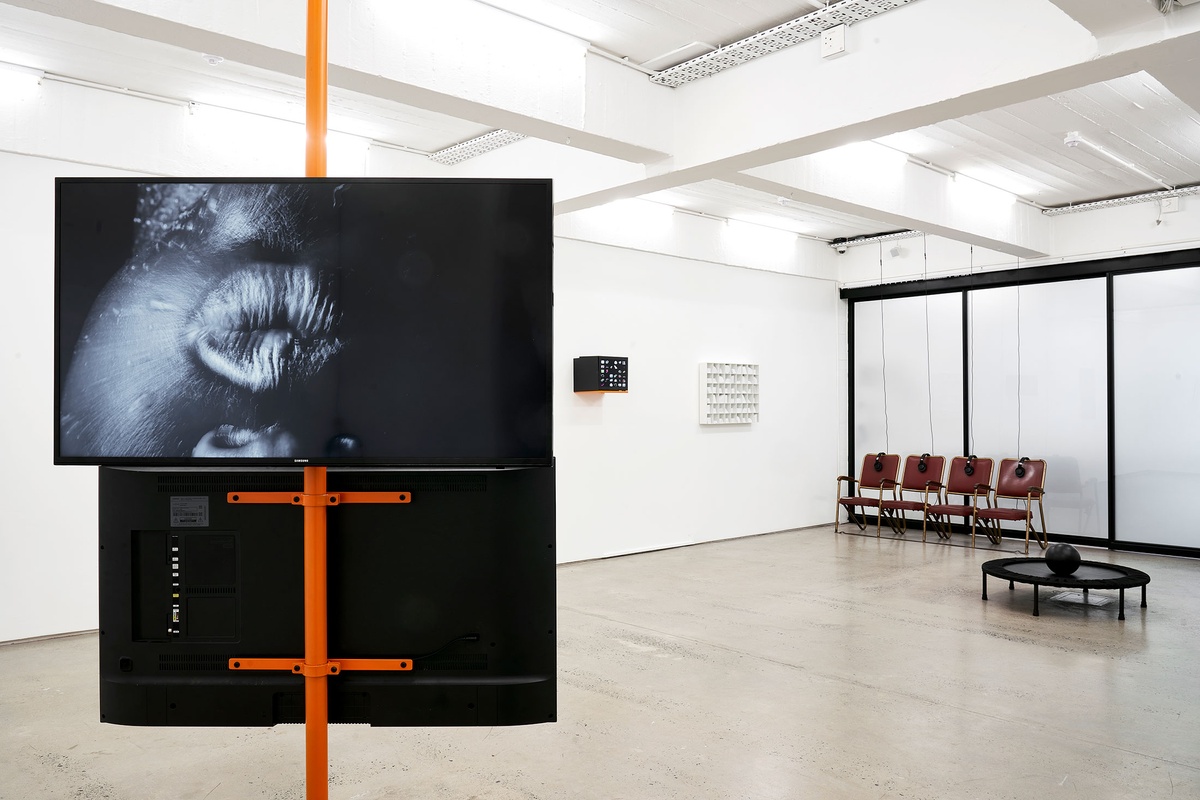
<point x="638" y="471"/>
<point x="1082" y="236"/>
<point x="669" y="296"/>
<point x="48" y="527"/>
<point x="667" y="300"/>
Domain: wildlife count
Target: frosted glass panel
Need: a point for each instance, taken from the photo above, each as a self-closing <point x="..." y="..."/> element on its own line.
<point x="1051" y="402"/>
<point x="911" y="356"/>
<point x="1156" y="339"/>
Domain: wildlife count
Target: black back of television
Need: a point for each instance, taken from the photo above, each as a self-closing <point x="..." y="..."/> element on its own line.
<point x="461" y="580"/>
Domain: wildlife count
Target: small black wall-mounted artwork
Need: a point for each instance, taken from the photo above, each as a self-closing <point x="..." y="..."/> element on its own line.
<point x="602" y="374"/>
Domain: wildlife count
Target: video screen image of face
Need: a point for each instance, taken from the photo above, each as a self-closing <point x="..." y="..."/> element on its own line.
<point x="293" y="321"/>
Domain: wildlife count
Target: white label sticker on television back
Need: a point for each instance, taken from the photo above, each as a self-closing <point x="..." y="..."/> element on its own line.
<point x="189" y="512"/>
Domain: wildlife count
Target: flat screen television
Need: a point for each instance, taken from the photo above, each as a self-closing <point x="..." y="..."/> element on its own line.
<point x="311" y="321"/>
<point x="461" y="580"/>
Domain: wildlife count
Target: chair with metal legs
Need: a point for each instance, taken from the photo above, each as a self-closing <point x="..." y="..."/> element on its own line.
<point x="1021" y="480"/>
<point x="921" y="473"/>
<point x="968" y="476"/>
<point x="877" y="470"/>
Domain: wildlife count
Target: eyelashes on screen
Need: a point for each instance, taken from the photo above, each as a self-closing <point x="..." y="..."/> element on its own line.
<point x="264" y="326"/>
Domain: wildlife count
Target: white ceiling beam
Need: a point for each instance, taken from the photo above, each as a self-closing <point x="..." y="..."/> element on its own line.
<point x="873" y="181"/>
<point x="1111" y="16"/>
<point x="1176" y="64"/>
<point x="140" y="25"/>
<point x="923" y="64"/>
<point x="1028" y="52"/>
<point x="454" y="57"/>
<point x="599" y="138"/>
<point x="919" y="65"/>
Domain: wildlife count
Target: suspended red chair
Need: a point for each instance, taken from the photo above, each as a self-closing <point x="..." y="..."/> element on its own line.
<point x="1023" y="481"/>
<point x="921" y="473"/>
<point x="878" y="469"/>
<point x="969" y="476"/>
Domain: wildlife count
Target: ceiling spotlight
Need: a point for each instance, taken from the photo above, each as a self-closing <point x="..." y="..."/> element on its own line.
<point x="211" y="60"/>
<point x="1073" y="139"/>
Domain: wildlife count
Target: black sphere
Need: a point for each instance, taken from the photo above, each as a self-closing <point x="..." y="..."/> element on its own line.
<point x="1062" y="559"/>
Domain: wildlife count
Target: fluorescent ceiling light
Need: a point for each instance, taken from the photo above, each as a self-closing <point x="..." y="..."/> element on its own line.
<point x="975" y="197"/>
<point x="19" y="84"/>
<point x="21" y="69"/>
<point x="1074" y="139"/>
<point x="863" y="161"/>
<point x="758" y="241"/>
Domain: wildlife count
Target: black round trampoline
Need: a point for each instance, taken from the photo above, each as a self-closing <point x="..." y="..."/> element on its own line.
<point x="1089" y="575"/>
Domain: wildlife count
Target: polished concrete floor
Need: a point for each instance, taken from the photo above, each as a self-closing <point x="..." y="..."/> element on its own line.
<point x="801" y="664"/>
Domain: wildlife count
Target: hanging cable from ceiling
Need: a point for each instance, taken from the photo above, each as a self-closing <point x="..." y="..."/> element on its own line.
<point x="971" y="351"/>
<point x="883" y="353"/>
<point x="1018" y="359"/>
<point x="928" y="364"/>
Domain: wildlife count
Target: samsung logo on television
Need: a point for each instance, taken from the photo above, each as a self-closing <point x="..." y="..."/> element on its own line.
<point x="299" y="460"/>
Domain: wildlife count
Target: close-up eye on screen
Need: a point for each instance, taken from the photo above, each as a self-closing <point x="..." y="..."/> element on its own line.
<point x="314" y="321"/>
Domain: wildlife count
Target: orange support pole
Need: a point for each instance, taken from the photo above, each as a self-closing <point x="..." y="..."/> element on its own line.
<point x="316" y="666"/>
<point x="316" y="630"/>
<point x="316" y="641"/>
<point x="316" y="88"/>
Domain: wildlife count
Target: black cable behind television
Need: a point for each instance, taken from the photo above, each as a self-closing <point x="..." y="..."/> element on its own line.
<point x="461" y="580"/>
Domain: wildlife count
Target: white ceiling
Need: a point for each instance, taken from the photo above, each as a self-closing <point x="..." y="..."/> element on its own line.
<point x="644" y="31"/>
<point x="1021" y="147"/>
<point x="1136" y="94"/>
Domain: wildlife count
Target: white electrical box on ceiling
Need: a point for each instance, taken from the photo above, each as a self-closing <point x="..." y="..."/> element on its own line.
<point x="833" y="41"/>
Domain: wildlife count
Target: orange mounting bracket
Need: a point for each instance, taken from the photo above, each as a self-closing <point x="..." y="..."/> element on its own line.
<point x="316" y="667"/>
<point x="328" y="668"/>
<point x="318" y="499"/>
